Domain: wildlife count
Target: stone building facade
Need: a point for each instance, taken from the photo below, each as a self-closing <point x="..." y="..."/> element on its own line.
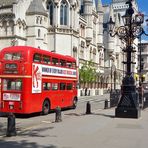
<point x="144" y="60"/>
<point x="70" y="27"/>
<point x="114" y="46"/>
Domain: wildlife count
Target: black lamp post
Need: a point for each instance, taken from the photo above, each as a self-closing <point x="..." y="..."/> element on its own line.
<point x="128" y="106"/>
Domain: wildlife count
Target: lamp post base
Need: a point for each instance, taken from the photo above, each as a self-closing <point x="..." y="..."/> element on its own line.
<point x="121" y="112"/>
<point x="128" y="106"/>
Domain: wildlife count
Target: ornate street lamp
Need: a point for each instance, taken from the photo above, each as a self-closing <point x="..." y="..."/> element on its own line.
<point x="128" y="106"/>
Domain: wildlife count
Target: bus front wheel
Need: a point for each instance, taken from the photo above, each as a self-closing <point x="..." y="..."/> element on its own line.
<point x="45" y="107"/>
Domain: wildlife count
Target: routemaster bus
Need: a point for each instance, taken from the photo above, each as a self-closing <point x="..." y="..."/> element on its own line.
<point x="34" y="80"/>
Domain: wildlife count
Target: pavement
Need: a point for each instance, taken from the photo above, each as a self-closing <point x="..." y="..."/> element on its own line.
<point x="97" y="130"/>
<point x="94" y="98"/>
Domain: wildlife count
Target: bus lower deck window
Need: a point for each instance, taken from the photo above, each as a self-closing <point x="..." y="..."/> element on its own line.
<point x="69" y="86"/>
<point x="54" y="86"/>
<point x="62" y="86"/>
<point x="46" y="86"/>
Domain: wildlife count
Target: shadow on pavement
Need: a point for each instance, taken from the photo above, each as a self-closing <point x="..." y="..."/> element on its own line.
<point x="22" y="144"/>
<point x="100" y="114"/>
<point x="6" y="142"/>
<point x="37" y="132"/>
<point x="105" y="115"/>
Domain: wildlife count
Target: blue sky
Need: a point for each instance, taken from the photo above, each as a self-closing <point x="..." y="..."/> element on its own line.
<point x="143" y="7"/>
<point x="141" y="3"/>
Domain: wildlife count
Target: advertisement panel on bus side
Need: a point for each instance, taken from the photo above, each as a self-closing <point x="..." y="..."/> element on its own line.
<point x="36" y="78"/>
<point x="58" y="71"/>
<point x="38" y="70"/>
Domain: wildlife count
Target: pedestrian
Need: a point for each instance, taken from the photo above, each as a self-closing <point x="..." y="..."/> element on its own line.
<point x="86" y="91"/>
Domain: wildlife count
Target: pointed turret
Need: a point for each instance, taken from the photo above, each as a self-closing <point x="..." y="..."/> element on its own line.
<point x="100" y="8"/>
<point x="88" y="7"/>
<point x="36" y="7"/>
<point x="111" y="43"/>
<point x="100" y="25"/>
<point x="36" y="18"/>
<point x="111" y="13"/>
<point x="94" y="5"/>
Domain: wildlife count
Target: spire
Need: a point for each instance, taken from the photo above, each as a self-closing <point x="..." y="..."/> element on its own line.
<point x="94" y="5"/>
<point x="100" y="8"/>
<point x="111" y="13"/>
<point x="36" y="7"/>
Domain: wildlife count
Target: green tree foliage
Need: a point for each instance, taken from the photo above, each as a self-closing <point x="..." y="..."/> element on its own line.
<point x="87" y="73"/>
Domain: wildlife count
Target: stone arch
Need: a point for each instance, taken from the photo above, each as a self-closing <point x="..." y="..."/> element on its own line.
<point x="106" y="81"/>
<point x="101" y="81"/>
<point x="24" y="24"/>
<point x="19" y="23"/>
<point x="37" y="19"/>
<point x="50" y="7"/>
<point x="64" y="12"/>
<point x="11" y="27"/>
<point x="4" y="27"/>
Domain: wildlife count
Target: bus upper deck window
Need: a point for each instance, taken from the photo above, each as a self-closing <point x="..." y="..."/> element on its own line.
<point x="69" y="64"/>
<point x="55" y="61"/>
<point x="37" y="57"/>
<point x="46" y="59"/>
<point x="62" y="62"/>
<point x="74" y="65"/>
<point x="12" y="56"/>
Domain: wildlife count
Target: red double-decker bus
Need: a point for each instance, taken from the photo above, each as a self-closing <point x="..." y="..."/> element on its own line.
<point x="34" y="80"/>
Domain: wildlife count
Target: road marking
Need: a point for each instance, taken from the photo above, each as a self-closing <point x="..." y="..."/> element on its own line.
<point x="34" y="126"/>
<point x="97" y="109"/>
<point x="47" y="122"/>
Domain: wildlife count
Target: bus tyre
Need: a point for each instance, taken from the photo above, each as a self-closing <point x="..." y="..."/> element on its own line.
<point x="46" y="107"/>
<point x="74" y="103"/>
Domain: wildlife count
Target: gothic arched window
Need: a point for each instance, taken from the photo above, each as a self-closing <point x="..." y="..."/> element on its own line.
<point x="4" y="25"/>
<point x="63" y="12"/>
<point x="50" y="10"/>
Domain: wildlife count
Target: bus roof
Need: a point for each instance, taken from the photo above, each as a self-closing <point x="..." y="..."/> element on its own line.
<point x="41" y="51"/>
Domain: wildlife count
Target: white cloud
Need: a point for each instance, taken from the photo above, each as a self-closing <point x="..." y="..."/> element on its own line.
<point x="144" y="41"/>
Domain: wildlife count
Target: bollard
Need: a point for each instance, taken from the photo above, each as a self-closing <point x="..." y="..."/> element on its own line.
<point x="106" y="104"/>
<point x="11" y="130"/>
<point x="58" y="116"/>
<point x="88" y="108"/>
